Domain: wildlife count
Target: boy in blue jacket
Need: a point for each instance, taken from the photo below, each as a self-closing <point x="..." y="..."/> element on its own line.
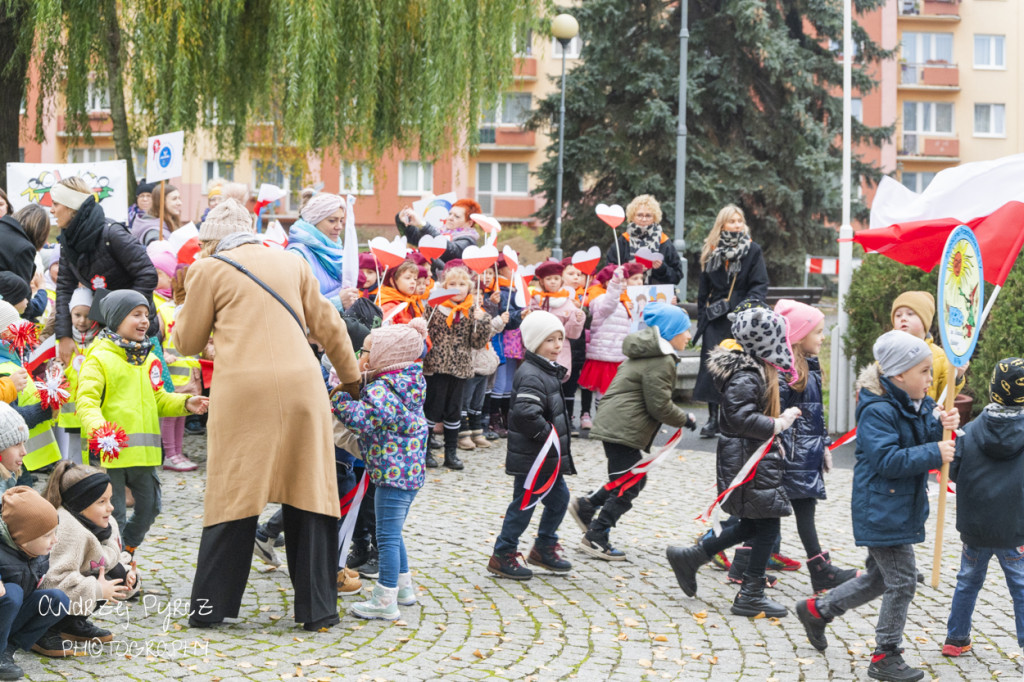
<point x="897" y="444"/>
<point x="989" y="473"/>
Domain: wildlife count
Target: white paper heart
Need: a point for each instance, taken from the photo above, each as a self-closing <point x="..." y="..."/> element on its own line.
<point x="511" y="258"/>
<point x="648" y="258"/>
<point x="486" y="222"/>
<point x="439" y="295"/>
<point x="612" y="216"/>
<point x="526" y="272"/>
<point x="479" y="258"/>
<point x="586" y="261"/>
<point x="389" y="254"/>
<point x="433" y="247"/>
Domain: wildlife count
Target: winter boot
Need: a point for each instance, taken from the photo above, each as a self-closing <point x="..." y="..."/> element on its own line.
<point x="751" y="601"/>
<point x="430" y="461"/>
<point x="81" y="629"/>
<point x="684" y="562"/>
<point x="720" y="560"/>
<point x="582" y="511"/>
<point x="451" y="456"/>
<point x="496" y="425"/>
<point x="825" y="576"/>
<point x="814" y="623"/>
<point x="549" y="558"/>
<point x="465" y="441"/>
<point x="479" y="439"/>
<point x="740" y="562"/>
<point x="476" y="430"/>
<point x="359" y="553"/>
<point x="383" y="605"/>
<point x="888" y="664"/>
<point x="406" y="590"/>
<point x="507" y="566"/>
<point x="9" y="670"/>
<point x="710" y="429"/>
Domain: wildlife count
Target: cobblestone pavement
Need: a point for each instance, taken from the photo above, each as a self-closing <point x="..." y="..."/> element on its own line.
<point x="617" y="621"/>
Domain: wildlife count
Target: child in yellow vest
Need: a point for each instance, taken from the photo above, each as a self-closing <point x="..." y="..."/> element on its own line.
<point x="120" y="382"/>
<point x="913" y="312"/>
<point x="83" y="331"/>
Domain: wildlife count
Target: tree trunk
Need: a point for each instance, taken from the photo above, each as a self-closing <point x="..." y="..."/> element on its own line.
<point x="14" y="19"/>
<point x="115" y="86"/>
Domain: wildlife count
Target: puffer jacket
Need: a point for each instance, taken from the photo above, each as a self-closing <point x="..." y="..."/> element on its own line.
<point x="896" y="447"/>
<point x="806" y="440"/>
<point x="740" y="378"/>
<point x="610" y="326"/>
<point x="537" y="406"/>
<point x="17" y="252"/>
<point x="639" y="399"/>
<point x="566" y="314"/>
<point x="388" y="419"/>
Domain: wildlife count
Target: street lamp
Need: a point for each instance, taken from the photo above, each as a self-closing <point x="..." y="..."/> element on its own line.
<point x="564" y="28"/>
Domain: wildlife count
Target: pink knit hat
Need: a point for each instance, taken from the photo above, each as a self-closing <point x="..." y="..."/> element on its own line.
<point x="801" y="318"/>
<point x="396" y="346"/>
<point x="164" y="260"/>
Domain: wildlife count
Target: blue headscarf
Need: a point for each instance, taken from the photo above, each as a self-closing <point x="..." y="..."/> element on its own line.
<point x="670" y="320"/>
<point x="327" y="253"/>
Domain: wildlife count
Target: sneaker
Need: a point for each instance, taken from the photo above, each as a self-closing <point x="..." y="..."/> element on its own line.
<point x="279" y="541"/>
<point x="194" y="427"/>
<point x="179" y="462"/>
<point x="780" y="562"/>
<point x="956" y="647"/>
<point x="586" y="423"/>
<point x="889" y="665"/>
<point x="574" y="430"/>
<point x="9" y="670"/>
<point x="582" y="511"/>
<point x="383" y="605"/>
<point x="348" y="582"/>
<point x="81" y="629"/>
<point x="814" y="623"/>
<point x="491" y="434"/>
<point x="466" y="441"/>
<point x="549" y="558"/>
<point x="357" y="556"/>
<point x="50" y="644"/>
<point x="406" y="590"/>
<point x="508" y="566"/>
<point x="600" y="547"/>
<point x="371" y="569"/>
<point x="263" y="549"/>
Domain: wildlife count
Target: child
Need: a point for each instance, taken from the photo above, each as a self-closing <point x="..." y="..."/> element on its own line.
<point x="88" y="561"/>
<point x="561" y="302"/>
<point x="367" y="281"/>
<point x="15" y="291"/>
<point x="13" y="436"/>
<point x="746" y="375"/>
<point x="913" y="312"/>
<point x="456" y="328"/>
<point x="398" y="288"/>
<point x="509" y="347"/>
<point x="897" y="436"/>
<point x="120" y="383"/>
<point x="638" y="402"/>
<point x="990" y="502"/>
<point x="537" y="408"/>
<point x="485" y="364"/>
<point x="28" y="528"/>
<point x="574" y="279"/>
<point x="388" y="418"/>
<point x="83" y="332"/>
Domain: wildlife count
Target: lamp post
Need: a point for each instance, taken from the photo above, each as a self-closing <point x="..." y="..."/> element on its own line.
<point x="564" y="28"/>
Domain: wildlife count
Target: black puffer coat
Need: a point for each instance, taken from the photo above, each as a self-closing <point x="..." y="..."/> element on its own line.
<point x="537" y="405"/>
<point x="17" y="252"/>
<point x="745" y="427"/>
<point x="101" y="254"/>
<point x="806" y="440"/>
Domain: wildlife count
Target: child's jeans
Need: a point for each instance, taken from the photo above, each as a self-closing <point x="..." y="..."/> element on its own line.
<point x="392" y="507"/>
<point x="145" y="485"/>
<point x="556" y="503"/>
<point x="23" y="621"/>
<point x="973" y="567"/>
<point x="890" y="572"/>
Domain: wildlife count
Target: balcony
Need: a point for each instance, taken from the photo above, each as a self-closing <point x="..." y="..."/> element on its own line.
<point x="512" y="138"/>
<point x="929" y="76"/>
<point x="525" y="69"/>
<point x="947" y="10"/>
<point x="916" y="147"/>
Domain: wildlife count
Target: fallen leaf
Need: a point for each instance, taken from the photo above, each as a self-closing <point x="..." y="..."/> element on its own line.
<point x="696" y="656"/>
<point x="805" y="661"/>
<point x="631" y="623"/>
<point x="478" y="653"/>
<point x="660" y="638"/>
<point x="714" y="660"/>
<point x="760" y="615"/>
<point x="244" y="664"/>
<point x="644" y="663"/>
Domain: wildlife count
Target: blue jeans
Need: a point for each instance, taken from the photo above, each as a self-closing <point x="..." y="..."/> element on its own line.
<point x="973" y="567"/>
<point x="556" y="503"/>
<point x="24" y="620"/>
<point x="391" y="506"/>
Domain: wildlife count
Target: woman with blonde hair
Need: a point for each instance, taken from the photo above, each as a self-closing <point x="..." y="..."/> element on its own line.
<point x="731" y="271"/>
<point x="643" y="229"/>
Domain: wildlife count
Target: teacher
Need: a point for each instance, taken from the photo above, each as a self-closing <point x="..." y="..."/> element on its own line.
<point x="270" y="430"/>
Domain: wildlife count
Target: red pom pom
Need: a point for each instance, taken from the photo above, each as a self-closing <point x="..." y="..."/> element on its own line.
<point x="22" y="336"/>
<point x="107" y="441"/>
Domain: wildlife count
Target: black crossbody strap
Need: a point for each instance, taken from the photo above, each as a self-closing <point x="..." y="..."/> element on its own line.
<point x="241" y="268"/>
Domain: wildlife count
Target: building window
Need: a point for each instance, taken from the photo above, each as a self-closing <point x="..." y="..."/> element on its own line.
<point x="925" y="48"/>
<point x="928" y="117"/>
<point x="513" y="110"/>
<point x="989" y="52"/>
<point x="500" y="179"/>
<point x="356" y="178"/>
<point x="97" y="98"/>
<point x="288" y="179"/>
<point x="916" y="181"/>
<point x="91" y="155"/>
<point x="526" y="50"/>
<point x="857" y="109"/>
<point x="990" y="120"/>
<point x="571" y="52"/>
<point x="415" y="177"/>
<point x="225" y="170"/>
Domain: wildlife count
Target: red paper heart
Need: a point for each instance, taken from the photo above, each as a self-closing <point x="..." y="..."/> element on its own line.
<point x="479" y="258"/>
<point x="649" y="259"/>
<point x="612" y="216"/>
<point x="389" y="254"/>
<point x="432" y="247"/>
<point x="511" y="258"/>
<point x="586" y="261"/>
<point x="439" y="295"/>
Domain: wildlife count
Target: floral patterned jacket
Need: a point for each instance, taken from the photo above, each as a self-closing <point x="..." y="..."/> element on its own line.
<point x="388" y="419"/>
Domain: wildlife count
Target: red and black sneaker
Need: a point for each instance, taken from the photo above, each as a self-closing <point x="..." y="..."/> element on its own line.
<point x="956" y="647"/>
<point x="780" y="562"/>
<point x="889" y="665"/>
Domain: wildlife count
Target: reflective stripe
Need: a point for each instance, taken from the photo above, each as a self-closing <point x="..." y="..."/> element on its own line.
<point x="143" y="440"/>
<point x="67" y="408"/>
<point x="180" y="371"/>
<point x="40" y="440"/>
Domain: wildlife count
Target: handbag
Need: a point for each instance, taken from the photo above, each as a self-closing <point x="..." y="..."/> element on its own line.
<point x="513" y="339"/>
<point x="713" y="311"/>
<point x="241" y="268"/>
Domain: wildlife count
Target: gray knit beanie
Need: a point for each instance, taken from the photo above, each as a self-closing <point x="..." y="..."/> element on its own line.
<point x="898" y="351"/>
<point x="12" y="427"/>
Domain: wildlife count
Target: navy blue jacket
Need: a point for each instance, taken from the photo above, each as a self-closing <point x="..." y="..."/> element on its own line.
<point x="806" y="440"/>
<point x="989" y="473"/>
<point x="896" y="447"/>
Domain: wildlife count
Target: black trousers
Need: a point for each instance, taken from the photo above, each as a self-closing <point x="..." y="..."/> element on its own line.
<point x="621" y="458"/>
<point x="225" y="557"/>
<point x="759" y="534"/>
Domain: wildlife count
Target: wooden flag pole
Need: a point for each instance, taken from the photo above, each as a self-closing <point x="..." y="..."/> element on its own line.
<point x="940" y="519"/>
<point x="163" y="198"/>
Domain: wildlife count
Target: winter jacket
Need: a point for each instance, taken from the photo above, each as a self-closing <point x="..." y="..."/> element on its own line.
<point x="639" y="399"/>
<point x="456" y="245"/>
<point x="740" y="378"/>
<point x="18" y="568"/>
<point x="450" y="353"/>
<point x="610" y="325"/>
<point x="896" y="447"/>
<point x="671" y="269"/>
<point x="940" y="372"/>
<point x="537" y="406"/>
<point x="145" y="229"/>
<point x="17" y="252"/>
<point x="989" y="473"/>
<point x="388" y="419"/>
<point x="565" y="310"/>
<point x="115" y="260"/>
<point x="806" y="440"/>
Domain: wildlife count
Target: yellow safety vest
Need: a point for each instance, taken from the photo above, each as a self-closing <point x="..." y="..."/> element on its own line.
<point x="181" y="370"/>
<point x="111" y="389"/>
<point x="68" y="419"/>
<point x="41" y="446"/>
<point x="51" y="302"/>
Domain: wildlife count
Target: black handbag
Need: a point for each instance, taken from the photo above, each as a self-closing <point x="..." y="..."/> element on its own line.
<point x="713" y="311"/>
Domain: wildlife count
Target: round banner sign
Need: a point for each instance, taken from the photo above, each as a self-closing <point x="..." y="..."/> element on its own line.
<point x="961" y="295"/>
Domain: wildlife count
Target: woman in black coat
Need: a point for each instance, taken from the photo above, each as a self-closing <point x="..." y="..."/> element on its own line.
<point x="96" y="253"/>
<point x="732" y="270"/>
<point x="643" y="228"/>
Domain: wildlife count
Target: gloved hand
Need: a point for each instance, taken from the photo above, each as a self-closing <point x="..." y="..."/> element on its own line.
<point x="786" y="420"/>
<point x="691" y="422"/>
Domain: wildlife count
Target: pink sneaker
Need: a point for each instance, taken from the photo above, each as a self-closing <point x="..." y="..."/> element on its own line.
<point x="178" y="462"/>
<point x="585" y="422"/>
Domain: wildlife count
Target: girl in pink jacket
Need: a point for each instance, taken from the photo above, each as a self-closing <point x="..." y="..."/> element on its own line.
<point x="612" y="320"/>
<point x="561" y="302"/>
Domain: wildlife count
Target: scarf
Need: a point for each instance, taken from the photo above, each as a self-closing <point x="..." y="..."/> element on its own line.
<point x="135" y="352"/>
<point x="327" y="253"/>
<point x="79" y="496"/>
<point x="7" y="354"/>
<point x="84" y="232"/>
<point x="84" y="339"/>
<point x="641" y="236"/>
<point x="546" y="296"/>
<point x="497" y="284"/>
<point x="458" y="309"/>
<point x="393" y="295"/>
<point x="732" y="247"/>
<point x="626" y="303"/>
<point x="234" y="240"/>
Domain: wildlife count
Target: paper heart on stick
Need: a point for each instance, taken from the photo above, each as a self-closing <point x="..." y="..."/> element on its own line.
<point x="511" y="258"/>
<point x="586" y="261"/>
<point x="439" y="295"/>
<point x="649" y="259"/>
<point x="526" y="273"/>
<point x="433" y="247"/>
<point x="389" y="254"/>
<point x="486" y="222"/>
<point x="612" y="216"/>
<point x="479" y="258"/>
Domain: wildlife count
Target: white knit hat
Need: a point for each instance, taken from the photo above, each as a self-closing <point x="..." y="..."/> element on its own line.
<point x="82" y="296"/>
<point x="226" y="218"/>
<point x="539" y="325"/>
<point x="12" y="427"/>
<point x="8" y="315"/>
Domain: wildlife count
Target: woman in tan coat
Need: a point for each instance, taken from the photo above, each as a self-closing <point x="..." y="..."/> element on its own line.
<point x="270" y="434"/>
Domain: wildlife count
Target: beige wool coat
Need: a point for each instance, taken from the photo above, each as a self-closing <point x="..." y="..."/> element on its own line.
<point x="270" y="435"/>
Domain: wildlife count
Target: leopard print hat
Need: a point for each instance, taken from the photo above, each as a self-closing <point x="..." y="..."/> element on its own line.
<point x="762" y="332"/>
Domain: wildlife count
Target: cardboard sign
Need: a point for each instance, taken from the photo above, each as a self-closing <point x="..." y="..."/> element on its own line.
<point x="30" y="183"/>
<point x="434" y="209"/>
<point x="961" y="295"/>
<point x="164" y="156"/>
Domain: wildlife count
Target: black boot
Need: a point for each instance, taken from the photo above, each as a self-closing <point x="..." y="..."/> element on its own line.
<point x="9" y="670"/>
<point x="359" y="554"/>
<point x="451" y="444"/>
<point x="684" y="562"/>
<point x="751" y="601"/>
<point x="825" y="576"/>
<point x="582" y="511"/>
<point x="888" y="664"/>
<point x="814" y="623"/>
<point x="710" y="429"/>
<point x="739" y="565"/>
<point x="430" y="461"/>
<point x="549" y="558"/>
<point x="81" y="629"/>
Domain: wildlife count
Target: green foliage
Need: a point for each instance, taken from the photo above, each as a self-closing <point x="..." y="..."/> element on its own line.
<point x="763" y="120"/>
<point x="1001" y="336"/>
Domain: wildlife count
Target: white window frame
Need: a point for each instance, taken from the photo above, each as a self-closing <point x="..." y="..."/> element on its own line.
<point x="96" y="98"/>
<point x="925" y="41"/>
<point x="355" y="177"/>
<point x="993" y="40"/>
<point x="91" y="154"/>
<point x="292" y="189"/>
<point x="499" y="112"/>
<point x="992" y="108"/>
<point x="487" y="195"/>
<point x="424" y="180"/>
<point x="918" y="177"/>
<point x="212" y="170"/>
<point x="919" y="114"/>
<point x="571" y="52"/>
<point x="857" y="108"/>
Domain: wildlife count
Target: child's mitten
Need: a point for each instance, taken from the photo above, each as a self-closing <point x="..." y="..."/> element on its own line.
<point x="786" y="420"/>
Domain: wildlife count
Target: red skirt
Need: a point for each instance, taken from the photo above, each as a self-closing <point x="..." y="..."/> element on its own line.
<point x="597" y="375"/>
